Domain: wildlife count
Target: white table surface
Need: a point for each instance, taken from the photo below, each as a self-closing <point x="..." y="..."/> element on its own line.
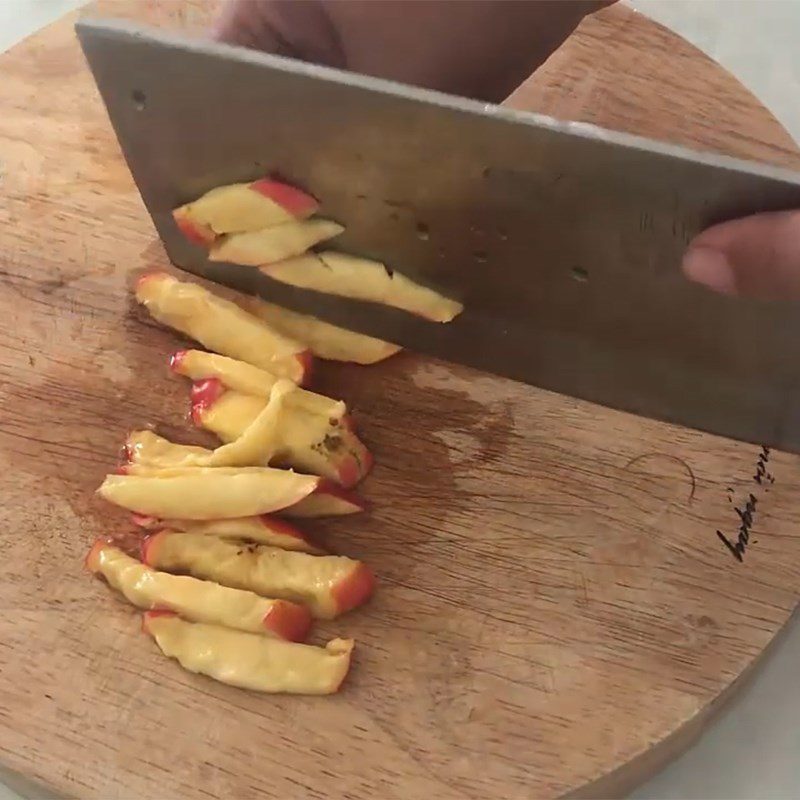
<point x="752" y="751"/>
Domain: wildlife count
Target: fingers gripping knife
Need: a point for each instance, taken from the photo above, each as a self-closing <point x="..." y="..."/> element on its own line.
<point x="500" y="209"/>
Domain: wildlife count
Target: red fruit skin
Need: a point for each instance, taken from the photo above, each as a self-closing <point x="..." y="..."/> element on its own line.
<point x="148" y="547"/>
<point x="367" y="462"/>
<point x="204" y="394"/>
<point x="127" y="453"/>
<point x="145" y="521"/>
<point x="354" y="467"/>
<point x="280" y="526"/>
<point x="194" y="232"/>
<point x="339" y="492"/>
<point x="289" y="621"/>
<point x="306" y="359"/>
<point x="355" y="589"/>
<point x="152" y="614"/>
<point x="349" y="471"/>
<point x="296" y="202"/>
<point x="176" y="359"/>
<point x="150" y="276"/>
<point x="91" y="560"/>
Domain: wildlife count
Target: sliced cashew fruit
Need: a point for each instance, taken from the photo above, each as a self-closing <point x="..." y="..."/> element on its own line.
<point x="197" y="600"/>
<point x="262" y="529"/>
<point x="254" y="248"/>
<point x="327" y="585"/>
<point x="222" y="326"/>
<point x="323" y="339"/>
<point x="206" y="493"/>
<point x="241" y="207"/>
<point x="199" y="365"/>
<point x="250" y="661"/>
<point x="362" y="279"/>
<point x="310" y="442"/>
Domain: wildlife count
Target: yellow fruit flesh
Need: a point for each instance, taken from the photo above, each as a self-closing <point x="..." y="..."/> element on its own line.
<point x="308" y="442"/>
<point x="220" y="325"/>
<point x="320" y="504"/>
<point x="206" y="493"/>
<point x="261" y="440"/>
<point x="254" y="529"/>
<point x="311" y="444"/>
<point x="196" y="600"/>
<point x="230" y="414"/>
<point x="362" y="279"/>
<point x="234" y="208"/>
<point x="252" y="662"/>
<point x="256" y="445"/>
<point x="275" y="243"/>
<point x="199" y="365"/>
<point x="148" y="448"/>
<point x="269" y="571"/>
<point x="323" y="339"/>
<point x="245" y="378"/>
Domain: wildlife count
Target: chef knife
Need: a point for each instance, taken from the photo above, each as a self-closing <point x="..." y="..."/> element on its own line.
<point x="563" y="240"/>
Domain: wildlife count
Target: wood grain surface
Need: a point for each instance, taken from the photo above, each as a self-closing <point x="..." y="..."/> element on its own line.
<point x="556" y="613"/>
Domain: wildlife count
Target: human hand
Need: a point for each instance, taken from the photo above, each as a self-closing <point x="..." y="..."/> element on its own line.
<point x="481" y="48"/>
<point x="757" y="256"/>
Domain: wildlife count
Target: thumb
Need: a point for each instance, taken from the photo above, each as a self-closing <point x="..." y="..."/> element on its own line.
<point x="757" y="256"/>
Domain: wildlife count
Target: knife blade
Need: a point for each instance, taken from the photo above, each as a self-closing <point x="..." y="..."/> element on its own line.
<point x="562" y="239"/>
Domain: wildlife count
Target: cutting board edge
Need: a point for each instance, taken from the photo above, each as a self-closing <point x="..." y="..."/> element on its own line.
<point x="620" y="782"/>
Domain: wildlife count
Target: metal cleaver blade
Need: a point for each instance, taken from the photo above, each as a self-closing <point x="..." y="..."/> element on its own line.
<point x="562" y="239"/>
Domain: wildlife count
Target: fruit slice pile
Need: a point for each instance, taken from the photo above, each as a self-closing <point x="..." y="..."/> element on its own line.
<point x="242" y="208"/>
<point x="229" y="589"/>
<point x="248" y="660"/>
<point x="222" y="326"/>
<point x="197" y="601"/>
<point x="266" y="225"/>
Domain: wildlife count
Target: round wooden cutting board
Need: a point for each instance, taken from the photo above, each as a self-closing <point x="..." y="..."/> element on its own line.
<point x="556" y="612"/>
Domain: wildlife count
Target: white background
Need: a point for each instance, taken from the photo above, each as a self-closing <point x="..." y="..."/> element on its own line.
<point x="753" y="750"/>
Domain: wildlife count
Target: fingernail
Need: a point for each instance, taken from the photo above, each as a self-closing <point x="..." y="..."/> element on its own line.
<point x="710" y="268"/>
